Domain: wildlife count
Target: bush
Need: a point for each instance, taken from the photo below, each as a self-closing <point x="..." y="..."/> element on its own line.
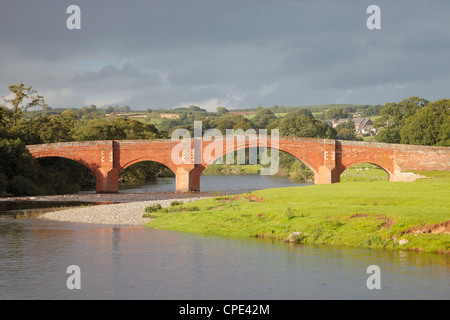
<point x="21" y="186"/>
<point x="3" y="184"/>
<point x="153" y="208"/>
<point x="175" y="203"/>
<point x="290" y="213"/>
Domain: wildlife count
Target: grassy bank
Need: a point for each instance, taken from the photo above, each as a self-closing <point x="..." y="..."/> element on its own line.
<point x="228" y="169"/>
<point x="364" y="214"/>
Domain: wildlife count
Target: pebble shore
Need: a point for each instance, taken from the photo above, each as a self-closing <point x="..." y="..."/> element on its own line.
<point x="129" y="213"/>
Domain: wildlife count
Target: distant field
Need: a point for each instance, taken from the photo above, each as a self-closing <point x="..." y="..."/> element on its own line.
<point x="364" y="172"/>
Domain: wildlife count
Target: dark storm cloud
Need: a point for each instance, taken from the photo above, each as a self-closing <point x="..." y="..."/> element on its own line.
<point x="241" y="53"/>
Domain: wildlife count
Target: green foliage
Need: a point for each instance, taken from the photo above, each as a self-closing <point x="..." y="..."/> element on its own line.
<point x="18" y="167"/>
<point x="3" y="183"/>
<point x="61" y="176"/>
<point x="225" y="122"/>
<point x="347" y="134"/>
<point x="304" y="126"/>
<point x="153" y="208"/>
<point x="21" y="186"/>
<point x="145" y="171"/>
<point x="55" y="128"/>
<point x="23" y="99"/>
<point x="336" y="113"/>
<point x="289" y="213"/>
<point x="301" y="112"/>
<point x="430" y="125"/>
<point x="415" y="121"/>
<point x="263" y="118"/>
<point x="350" y="124"/>
<point x="371" y="111"/>
<point x="393" y="115"/>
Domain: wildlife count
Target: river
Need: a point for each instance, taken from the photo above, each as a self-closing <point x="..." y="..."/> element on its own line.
<point x="123" y="262"/>
<point x="225" y="183"/>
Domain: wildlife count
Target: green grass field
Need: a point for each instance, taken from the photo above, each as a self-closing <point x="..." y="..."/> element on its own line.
<point x="364" y="172"/>
<point x="362" y="214"/>
<point x="228" y="169"/>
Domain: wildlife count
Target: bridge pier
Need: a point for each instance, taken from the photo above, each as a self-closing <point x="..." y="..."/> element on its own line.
<point x="327" y="175"/>
<point x="107" y="180"/>
<point x="187" y="179"/>
<point x="328" y="172"/>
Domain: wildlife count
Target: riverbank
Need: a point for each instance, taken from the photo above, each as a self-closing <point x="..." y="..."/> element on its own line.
<point x="379" y="214"/>
<point x="129" y="213"/>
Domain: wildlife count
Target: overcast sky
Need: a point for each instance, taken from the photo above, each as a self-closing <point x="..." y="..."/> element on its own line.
<point x="236" y="54"/>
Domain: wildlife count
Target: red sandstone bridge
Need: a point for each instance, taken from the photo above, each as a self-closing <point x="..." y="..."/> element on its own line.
<point x="326" y="158"/>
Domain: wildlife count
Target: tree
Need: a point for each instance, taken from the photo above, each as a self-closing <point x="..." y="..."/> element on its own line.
<point x="244" y="125"/>
<point x="302" y="112"/>
<point x="54" y="128"/>
<point x="304" y="126"/>
<point x="227" y="121"/>
<point x="3" y="115"/>
<point x="347" y="134"/>
<point x="24" y="98"/>
<point x="222" y="110"/>
<point x="135" y="129"/>
<point x="336" y="113"/>
<point x="430" y="125"/>
<point x="393" y="116"/>
<point x="345" y="125"/>
<point x="98" y="129"/>
<point x="263" y="118"/>
<point x="18" y="168"/>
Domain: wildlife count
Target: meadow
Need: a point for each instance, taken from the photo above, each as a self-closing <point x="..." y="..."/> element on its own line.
<point x="372" y="214"/>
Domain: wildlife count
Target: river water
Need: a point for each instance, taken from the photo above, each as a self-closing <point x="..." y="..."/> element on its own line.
<point x="226" y="183"/>
<point x="123" y="262"/>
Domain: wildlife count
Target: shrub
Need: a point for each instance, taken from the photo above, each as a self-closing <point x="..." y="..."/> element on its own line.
<point x="153" y="208"/>
<point x="289" y="213"/>
<point x="22" y="186"/>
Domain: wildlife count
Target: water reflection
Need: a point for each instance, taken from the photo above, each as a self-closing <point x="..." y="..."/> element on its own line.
<point x="141" y="263"/>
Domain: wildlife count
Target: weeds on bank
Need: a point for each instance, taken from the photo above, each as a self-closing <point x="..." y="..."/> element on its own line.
<point x="176" y="206"/>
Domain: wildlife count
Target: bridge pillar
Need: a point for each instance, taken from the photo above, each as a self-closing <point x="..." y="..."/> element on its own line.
<point x="187" y="178"/>
<point x="107" y="180"/>
<point x="107" y="176"/>
<point x="328" y="173"/>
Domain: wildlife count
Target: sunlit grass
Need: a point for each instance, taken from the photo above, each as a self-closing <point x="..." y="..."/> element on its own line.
<point x="366" y="214"/>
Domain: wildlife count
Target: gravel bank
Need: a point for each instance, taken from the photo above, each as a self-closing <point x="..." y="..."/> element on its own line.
<point x="116" y="214"/>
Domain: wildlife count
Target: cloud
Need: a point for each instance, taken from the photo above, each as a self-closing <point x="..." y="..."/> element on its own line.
<point x="112" y="78"/>
<point x="151" y="54"/>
